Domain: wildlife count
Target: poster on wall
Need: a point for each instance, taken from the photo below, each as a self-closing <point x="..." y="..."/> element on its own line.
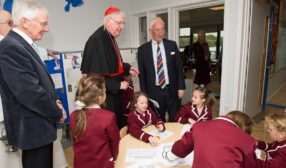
<point x="274" y="19"/>
<point x="269" y="60"/>
<point x="263" y="60"/>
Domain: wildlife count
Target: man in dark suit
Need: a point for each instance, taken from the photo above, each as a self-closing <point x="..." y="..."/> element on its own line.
<point x="30" y="105"/>
<point x="161" y="75"/>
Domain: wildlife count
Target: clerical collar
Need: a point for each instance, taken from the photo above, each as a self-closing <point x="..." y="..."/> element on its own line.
<point x="110" y="35"/>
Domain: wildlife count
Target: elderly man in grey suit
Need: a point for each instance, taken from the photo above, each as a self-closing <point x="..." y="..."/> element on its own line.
<point x="30" y="105"/>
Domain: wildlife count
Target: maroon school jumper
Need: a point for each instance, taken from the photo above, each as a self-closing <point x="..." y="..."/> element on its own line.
<point x="217" y="143"/>
<point x="191" y="111"/>
<point x="136" y="121"/>
<point x="98" y="146"/>
<point x="275" y="154"/>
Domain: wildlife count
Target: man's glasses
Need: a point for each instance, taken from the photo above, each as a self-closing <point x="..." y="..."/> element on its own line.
<point x="43" y="24"/>
<point x="9" y="23"/>
<point x="158" y="31"/>
<point x="118" y="22"/>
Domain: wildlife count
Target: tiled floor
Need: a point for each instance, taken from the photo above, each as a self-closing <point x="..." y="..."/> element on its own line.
<point x="258" y="131"/>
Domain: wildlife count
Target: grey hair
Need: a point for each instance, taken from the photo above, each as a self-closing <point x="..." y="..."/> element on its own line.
<point x="155" y="20"/>
<point x="26" y="9"/>
<point x="107" y="17"/>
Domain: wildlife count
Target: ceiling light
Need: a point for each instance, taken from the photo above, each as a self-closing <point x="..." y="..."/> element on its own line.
<point x="217" y="8"/>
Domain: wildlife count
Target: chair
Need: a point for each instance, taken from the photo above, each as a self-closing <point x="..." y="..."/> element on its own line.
<point x="123" y="132"/>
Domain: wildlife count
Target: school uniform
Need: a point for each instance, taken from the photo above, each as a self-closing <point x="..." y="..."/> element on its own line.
<point x="136" y="121"/>
<point x="217" y="143"/>
<point x="98" y="146"/>
<point x="275" y="154"/>
<point x="191" y="111"/>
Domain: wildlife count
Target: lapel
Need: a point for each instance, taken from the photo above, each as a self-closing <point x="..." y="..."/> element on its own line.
<point x="167" y="52"/>
<point x="149" y="56"/>
<point x="31" y="51"/>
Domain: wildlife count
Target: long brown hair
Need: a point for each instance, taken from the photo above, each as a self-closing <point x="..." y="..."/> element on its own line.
<point x="90" y="88"/>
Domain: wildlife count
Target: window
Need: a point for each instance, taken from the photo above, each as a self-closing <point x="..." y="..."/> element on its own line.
<point x="185" y="34"/>
<point x="212" y="39"/>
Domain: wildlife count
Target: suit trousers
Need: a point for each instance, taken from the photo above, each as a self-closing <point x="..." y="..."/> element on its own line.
<point x="41" y="157"/>
<point x="167" y="103"/>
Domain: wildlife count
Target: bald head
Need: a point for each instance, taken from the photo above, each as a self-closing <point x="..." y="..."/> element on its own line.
<point x="5" y="22"/>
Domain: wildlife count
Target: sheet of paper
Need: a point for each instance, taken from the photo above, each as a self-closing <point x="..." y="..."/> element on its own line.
<point x="150" y="156"/>
<point x="186" y="128"/>
<point x="147" y="155"/>
<point x="57" y="78"/>
<point x="162" y="151"/>
<point x="258" y="153"/>
<point x="160" y="135"/>
<point x="144" y="165"/>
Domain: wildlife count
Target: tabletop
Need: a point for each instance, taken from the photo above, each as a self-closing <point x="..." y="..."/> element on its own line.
<point x="129" y="142"/>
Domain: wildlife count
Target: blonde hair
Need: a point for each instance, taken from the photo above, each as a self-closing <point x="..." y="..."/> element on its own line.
<point x="210" y="101"/>
<point x="278" y="120"/>
<point x="88" y="92"/>
<point x="242" y="120"/>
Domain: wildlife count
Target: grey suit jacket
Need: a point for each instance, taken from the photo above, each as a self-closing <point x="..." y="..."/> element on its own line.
<point x="28" y="95"/>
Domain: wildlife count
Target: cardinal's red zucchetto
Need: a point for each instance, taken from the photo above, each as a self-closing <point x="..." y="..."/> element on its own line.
<point x="111" y="10"/>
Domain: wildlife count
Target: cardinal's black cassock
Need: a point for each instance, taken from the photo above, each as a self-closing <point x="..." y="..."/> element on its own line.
<point x="102" y="57"/>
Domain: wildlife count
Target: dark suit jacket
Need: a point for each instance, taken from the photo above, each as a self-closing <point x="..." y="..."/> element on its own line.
<point x="28" y="95"/>
<point x="147" y="74"/>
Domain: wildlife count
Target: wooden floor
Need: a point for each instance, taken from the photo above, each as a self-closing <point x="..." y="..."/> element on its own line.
<point x="258" y="131"/>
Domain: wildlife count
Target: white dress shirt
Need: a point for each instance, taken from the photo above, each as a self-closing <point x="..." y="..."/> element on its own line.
<point x="163" y="54"/>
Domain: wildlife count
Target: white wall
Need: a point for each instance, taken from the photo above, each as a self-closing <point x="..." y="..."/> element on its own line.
<point x="70" y="30"/>
<point x="141" y="5"/>
<point x="259" y="12"/>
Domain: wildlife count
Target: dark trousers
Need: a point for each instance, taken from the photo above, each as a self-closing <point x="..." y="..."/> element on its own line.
<point x="113" y="103"/>
<point x="41" y="157"/>
<point x="167" y="103"/>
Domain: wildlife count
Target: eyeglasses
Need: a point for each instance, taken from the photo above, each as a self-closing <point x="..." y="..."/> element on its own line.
<point x="118" y="22"/>
<point x="43" y="24"/>
<point x="9" y="23"/>
<point x="158" y="31"/>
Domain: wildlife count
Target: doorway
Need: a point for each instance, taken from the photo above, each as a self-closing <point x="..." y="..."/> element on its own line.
<point x="191" y="21"/>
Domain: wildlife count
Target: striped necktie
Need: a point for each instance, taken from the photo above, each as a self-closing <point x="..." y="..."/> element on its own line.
<point x="160" y="68"/>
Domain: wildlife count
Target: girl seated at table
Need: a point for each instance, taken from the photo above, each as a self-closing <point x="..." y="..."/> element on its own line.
<point x="197" y="110"/>
<point x="275" y="151"/>
<point x="94" y="130"/>
<point x="141" y="116"/>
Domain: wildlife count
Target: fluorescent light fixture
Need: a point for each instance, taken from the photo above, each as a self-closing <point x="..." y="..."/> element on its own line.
<point x="217" y="8"/>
